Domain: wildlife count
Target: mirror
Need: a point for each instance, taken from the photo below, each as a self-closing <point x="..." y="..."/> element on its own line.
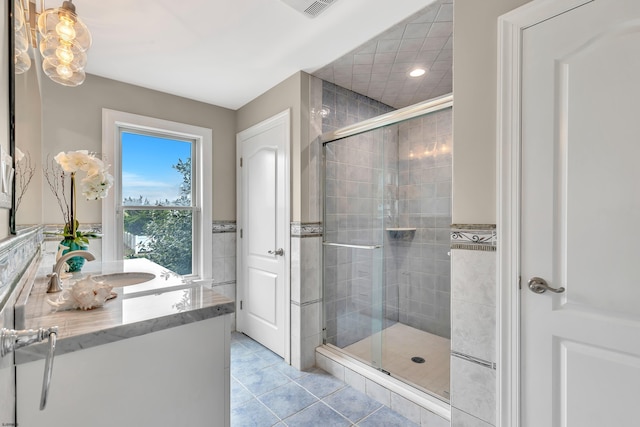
<point x="27" y="201"/>
<point x="28" y="167"/>
<point x="11" y="105"/>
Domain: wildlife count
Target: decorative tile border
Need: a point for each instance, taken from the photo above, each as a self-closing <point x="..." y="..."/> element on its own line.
<point x="306" y="229"/>
<point x="228" y="282"/>
<point x="478" y="237"/>
<point x="468" y="358"/>
<point x="54" y="231"/>
<point x="303" y="304"/>
<point x="15" y="254"/>
<point x="224" y="227"/>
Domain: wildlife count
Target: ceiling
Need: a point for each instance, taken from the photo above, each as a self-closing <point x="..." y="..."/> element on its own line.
<point x="229" y="52"/>
<point x="380" y="67"/>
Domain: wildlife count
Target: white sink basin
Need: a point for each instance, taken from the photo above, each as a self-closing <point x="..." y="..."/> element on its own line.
<point x="124" y="279"/>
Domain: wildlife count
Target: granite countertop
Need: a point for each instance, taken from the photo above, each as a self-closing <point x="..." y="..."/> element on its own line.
<point x="166" y="301"/>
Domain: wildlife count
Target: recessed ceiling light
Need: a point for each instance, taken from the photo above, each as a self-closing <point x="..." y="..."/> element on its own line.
<point x="417" y="72"/>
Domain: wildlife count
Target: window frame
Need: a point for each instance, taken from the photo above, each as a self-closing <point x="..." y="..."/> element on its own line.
<point x="113" y="123"/>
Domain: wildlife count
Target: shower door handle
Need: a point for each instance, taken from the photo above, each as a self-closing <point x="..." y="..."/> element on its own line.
<point x="279" y="252"/>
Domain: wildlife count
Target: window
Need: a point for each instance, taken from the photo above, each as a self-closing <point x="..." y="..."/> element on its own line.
<point x="158" y="208"/>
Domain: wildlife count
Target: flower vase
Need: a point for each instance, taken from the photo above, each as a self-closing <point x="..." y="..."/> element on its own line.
<point x="75" y="263"/>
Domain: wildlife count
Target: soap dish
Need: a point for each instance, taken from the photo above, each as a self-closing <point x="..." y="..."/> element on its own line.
<point x="401" y="233"/>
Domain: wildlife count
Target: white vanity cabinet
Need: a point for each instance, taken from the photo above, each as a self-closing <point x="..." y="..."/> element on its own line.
<point x="173" y="377"/>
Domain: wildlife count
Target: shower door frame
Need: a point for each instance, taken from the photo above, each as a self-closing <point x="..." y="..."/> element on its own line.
<point x="388" y="119"/>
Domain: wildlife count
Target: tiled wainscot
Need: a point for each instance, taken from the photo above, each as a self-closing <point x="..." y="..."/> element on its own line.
<point x="473" y="325"/>
<point x="224" y="260"/>
<point x="306" y="297"/>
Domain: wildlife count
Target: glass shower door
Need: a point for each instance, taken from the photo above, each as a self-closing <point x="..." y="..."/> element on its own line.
<point x="387" y="285"/>
<point x="354" y="212"/>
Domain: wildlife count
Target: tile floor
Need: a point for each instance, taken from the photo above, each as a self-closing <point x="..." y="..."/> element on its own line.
<point x="267" y="392"/>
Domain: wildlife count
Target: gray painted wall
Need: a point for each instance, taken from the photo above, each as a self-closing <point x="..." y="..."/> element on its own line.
<point x="474" y="119"/>
<point x="72" y="120"/>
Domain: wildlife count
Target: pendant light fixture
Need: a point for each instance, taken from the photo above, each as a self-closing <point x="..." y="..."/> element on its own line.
<point x="63" y="44"/>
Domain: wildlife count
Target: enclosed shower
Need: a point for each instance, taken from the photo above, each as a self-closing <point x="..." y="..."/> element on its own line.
<point x="386" y="268"/>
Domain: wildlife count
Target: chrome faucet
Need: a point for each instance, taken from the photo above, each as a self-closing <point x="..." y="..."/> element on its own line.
<point x="55" y="284"/>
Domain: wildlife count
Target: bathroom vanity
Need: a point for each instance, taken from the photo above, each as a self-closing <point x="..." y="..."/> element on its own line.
<point x="156" y="355"/>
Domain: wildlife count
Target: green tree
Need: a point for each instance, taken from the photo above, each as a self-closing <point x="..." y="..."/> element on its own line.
<point x="185" y="188"/>
<point x="170" y="236"/>
<point x="136" y="221"/>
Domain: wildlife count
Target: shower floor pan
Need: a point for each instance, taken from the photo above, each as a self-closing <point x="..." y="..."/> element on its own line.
<point x="401" y="343"/>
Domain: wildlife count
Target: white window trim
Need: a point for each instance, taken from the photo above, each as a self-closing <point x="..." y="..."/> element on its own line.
<point x="112" y="122"/>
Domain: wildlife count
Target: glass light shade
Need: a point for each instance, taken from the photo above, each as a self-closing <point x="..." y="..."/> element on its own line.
<point x="66" y="25"/>
<point x="76" y="65"/>
<point x="22" y="62"/>
<point x="61" y="73"/>
<point x="21" y="40"/>
<point x="64" y="41"/>
<point x="72" y="54"/>
<point x="18" y="21"/>
<point x="64" y="28"/>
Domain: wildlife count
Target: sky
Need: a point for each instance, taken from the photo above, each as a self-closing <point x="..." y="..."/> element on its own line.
<point x="146" y="166"/>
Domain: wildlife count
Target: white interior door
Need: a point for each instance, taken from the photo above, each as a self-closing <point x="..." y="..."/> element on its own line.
<point x="263" y="246"/>
<point x="580" y="361"/>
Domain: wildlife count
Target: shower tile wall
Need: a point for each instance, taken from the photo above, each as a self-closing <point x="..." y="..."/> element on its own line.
<point x="344" y="107"/>
<point x="424" y="202"/>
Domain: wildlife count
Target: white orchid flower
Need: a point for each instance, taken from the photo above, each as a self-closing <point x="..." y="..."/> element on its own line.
<point x="97" y="182"/>
<point x="73" y="161"/>
<point x="97" y="186"/>
<point x="93" y="166"/>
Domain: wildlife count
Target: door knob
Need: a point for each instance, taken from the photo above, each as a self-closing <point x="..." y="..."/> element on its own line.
<point x="540" y="286"/>
<point x="279" y="252"/>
